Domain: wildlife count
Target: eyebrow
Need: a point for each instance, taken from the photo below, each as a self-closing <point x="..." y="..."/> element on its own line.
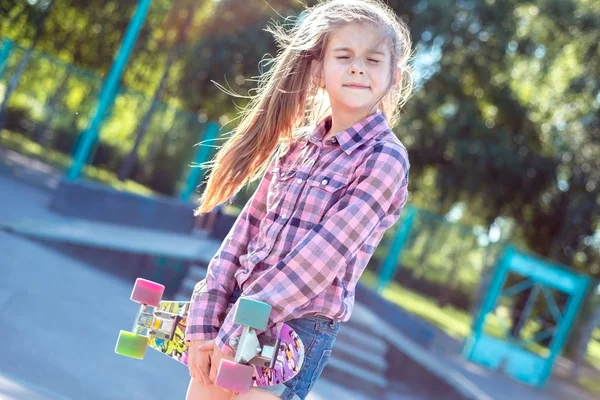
<point x="349" y="49"/>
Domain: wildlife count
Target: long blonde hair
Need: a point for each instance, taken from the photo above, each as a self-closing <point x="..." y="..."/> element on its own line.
<point x="289" y="96"/>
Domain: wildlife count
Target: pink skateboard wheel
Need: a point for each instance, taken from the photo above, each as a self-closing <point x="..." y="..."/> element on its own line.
<point x="147" y="292"/>
<point x="235" y="377"/>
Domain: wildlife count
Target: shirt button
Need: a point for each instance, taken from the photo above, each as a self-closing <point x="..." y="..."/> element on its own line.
<point x="334" y="140"/>
<point x="284" y="216"/>
<point x="324" y="182"/>
<point x="299" y="181"/>
<point x="233" y="342"/>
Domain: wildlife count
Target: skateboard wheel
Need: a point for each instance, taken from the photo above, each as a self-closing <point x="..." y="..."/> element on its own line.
<point x="235" y="377"/>
<point x="147" y="292"/>
<point x="252" y="313"/>
<point x="131" y="345"/>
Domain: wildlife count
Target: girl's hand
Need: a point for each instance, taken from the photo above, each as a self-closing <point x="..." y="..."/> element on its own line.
<point x="199" y="361"/>
<point x="216" y="357"/>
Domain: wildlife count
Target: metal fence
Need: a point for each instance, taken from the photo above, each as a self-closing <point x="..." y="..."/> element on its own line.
<point x="54" y="101"/>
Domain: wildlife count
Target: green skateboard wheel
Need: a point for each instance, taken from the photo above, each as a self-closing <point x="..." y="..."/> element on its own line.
<point x="252" y="313"/>
<point x="131" y="345"/>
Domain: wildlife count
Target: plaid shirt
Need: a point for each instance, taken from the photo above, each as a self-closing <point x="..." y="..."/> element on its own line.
<point x="303" y="240"/>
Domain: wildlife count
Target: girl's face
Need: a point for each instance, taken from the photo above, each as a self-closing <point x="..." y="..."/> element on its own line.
<point x="356" y="68"/>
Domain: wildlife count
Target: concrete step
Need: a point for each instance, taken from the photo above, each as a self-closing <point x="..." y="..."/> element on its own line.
<point x="358" y="372"/>
<point x="355" y="378"/>
<point x="349" y="352"/>
<point x="327" y="390"/>
<point x="361" y="337"/>
<point x="359" y="361"/>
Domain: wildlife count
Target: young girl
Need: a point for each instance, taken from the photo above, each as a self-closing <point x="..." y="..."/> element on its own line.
<point x="327" y="192"/>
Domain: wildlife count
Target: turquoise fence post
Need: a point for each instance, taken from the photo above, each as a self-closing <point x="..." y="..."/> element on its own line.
<point x="494" y="289"/>
<point x="5" y="52"/>
<point x="201" y="156"/>
<point x="566" y="324"/>
<point x="107" y="92"/>
<point x="391" y="261"/>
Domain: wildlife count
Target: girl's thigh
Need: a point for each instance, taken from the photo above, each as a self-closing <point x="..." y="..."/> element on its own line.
<point x="198" y="391"/>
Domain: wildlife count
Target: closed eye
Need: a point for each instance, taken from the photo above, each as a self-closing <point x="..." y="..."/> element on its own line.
<point x="371" y="60"/>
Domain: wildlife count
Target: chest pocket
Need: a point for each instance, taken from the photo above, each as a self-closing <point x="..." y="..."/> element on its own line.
<point x="323" y="191"/>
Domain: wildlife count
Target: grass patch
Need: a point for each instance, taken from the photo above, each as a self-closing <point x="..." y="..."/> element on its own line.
<point x="27" y="147"/>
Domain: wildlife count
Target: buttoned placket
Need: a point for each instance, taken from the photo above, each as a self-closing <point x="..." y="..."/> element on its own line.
<point x="310" y="161"/>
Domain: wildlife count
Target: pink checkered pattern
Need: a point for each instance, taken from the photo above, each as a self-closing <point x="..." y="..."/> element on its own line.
<point x="304" y="238"/>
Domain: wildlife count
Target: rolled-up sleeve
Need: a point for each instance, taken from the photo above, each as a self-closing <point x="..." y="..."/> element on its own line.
<point x="378" y="188"/>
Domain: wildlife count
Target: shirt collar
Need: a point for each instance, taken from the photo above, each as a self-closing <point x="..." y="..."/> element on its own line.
<point x="355" y="135"/>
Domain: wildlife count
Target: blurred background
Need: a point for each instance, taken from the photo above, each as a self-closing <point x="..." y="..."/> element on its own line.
<point x="107" y="107"/>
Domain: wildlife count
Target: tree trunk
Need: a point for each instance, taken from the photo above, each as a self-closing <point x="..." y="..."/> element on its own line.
<point x="12" y="85"/>
<point x="41" y="130"/>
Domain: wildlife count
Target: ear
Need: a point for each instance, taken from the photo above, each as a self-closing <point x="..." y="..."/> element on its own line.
<point x="398" y="77"/>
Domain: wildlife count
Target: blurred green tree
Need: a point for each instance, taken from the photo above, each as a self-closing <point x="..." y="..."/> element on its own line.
<point x="506" y="117"/>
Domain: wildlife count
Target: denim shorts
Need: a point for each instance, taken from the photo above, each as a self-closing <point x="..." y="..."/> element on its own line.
<point x="318" y="334"/>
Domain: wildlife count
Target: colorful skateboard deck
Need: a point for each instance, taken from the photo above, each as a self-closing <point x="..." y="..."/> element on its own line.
<point x="280" y="353"/>
<point x="289" y="359"/>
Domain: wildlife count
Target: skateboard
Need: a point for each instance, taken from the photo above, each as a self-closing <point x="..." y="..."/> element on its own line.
<point x="273" y="357"/>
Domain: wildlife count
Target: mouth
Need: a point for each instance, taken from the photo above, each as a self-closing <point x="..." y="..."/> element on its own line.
<point x="356" y="86"/>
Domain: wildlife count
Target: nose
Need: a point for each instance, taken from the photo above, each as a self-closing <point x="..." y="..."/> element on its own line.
<point x="356" y="68"/>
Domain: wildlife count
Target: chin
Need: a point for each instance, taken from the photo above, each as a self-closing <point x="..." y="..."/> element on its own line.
<point x="357" y="107"/>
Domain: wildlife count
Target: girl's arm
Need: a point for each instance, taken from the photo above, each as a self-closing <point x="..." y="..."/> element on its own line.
<point x="208" y="305"/>
<point x="379" y="190"/>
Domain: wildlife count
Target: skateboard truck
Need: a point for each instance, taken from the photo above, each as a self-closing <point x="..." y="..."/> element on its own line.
<point x="160" y="324"/>
<point x="251" y="350"/>
<point x="268" y="356"/>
